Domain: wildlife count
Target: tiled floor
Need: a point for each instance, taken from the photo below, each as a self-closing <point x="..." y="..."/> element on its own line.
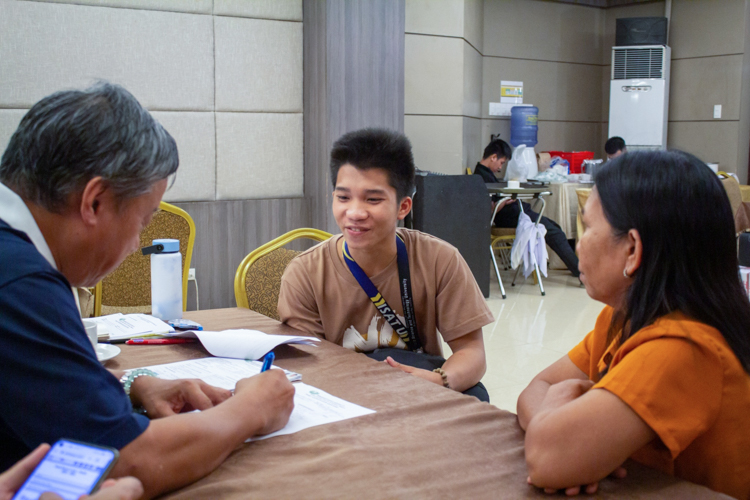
<point x="530" y="332"/>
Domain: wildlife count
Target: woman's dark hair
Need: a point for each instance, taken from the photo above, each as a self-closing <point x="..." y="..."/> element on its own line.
<point x="689" y="264"/>
<point x="377" y="148"/>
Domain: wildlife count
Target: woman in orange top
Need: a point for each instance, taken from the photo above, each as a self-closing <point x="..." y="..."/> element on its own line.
<point x="663" y="377"/>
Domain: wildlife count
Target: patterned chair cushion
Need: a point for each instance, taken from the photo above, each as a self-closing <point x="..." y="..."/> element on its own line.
<point x="127" y="289"/>
<point x="263" y="281"/>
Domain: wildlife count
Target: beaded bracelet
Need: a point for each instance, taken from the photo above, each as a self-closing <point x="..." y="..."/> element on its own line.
<point x="444" y="376"/>
<point x="128" y="379"/>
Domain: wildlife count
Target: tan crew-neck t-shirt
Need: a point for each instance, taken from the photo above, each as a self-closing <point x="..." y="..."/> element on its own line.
<point x="319" y="295"/>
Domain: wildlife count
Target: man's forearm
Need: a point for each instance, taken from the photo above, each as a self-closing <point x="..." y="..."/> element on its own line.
<point x="179" y="450"/>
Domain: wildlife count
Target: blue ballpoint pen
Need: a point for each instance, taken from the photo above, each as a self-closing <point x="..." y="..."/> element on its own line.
<point x="268" y="361"/>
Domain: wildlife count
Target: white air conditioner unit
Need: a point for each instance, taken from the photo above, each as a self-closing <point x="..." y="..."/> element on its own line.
<point x="639" y="95"/>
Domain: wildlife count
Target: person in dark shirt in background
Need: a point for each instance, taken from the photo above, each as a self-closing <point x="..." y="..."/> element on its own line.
<point x="614" y="147"/>
<point x="496" y="154"/>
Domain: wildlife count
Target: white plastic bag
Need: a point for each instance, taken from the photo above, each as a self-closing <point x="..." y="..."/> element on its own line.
<point x="559" y="166"/>
<point x="522" y="164"/>
<point x="529" y="246"/>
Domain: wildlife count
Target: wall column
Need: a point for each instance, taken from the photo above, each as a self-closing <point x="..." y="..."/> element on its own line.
<point x="353" y="78"/>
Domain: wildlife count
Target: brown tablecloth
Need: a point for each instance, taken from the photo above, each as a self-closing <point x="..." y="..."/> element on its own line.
<point x="423" y="442"/>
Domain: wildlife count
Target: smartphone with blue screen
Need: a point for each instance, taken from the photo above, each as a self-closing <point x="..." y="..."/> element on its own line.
<point x="70" y="469"/>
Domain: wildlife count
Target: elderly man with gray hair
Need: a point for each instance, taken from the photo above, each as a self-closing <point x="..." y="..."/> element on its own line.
<point x="81" y="177"/>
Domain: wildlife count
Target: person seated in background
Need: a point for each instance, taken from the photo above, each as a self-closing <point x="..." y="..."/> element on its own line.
<point x="614" y="147"/>
<point x="126" y="488"/>
<point x="81" y="177"/>
<point x="383" y="290"/>
<point x="496" y="154"/>
<point x="664" y="376"/>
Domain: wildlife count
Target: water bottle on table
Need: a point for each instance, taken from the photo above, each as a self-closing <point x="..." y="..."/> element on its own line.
<point x="166" y="278"/>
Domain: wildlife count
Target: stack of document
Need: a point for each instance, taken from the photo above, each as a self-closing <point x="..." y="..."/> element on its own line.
<point x="243" y="344"/>
<point x="114" y="327"/>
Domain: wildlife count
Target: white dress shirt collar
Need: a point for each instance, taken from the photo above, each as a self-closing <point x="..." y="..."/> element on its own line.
<point x="17" y="215"/>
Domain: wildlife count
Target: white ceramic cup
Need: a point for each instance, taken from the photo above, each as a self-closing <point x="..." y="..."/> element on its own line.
<point x="514" y="184"/>
<point x="92" y="331"/>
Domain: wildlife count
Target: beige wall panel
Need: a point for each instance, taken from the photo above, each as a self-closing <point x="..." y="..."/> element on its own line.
<point x="559" y="136"/>
<point x="549" y="31"/>
<point x="606" y="78"/>
<point x="190" y="6"/>
<point x="697" y="84"/>
<point x="196" y="143"/>
<point x="743" y="148"/>
<point x="283" y="10"/>
<point x="9" y="120"/>
<point x="433" y="78"/>
<point x="569" y="136"/>
<point x="437" y="142"/>
<point x="707" y="28"/>
<point x="442" y="17"/>
<point x="474" y="23"/>
<point x="655" y="9"/>
<point x="258" y="155"/>
<point x="599" y="151"/>
<point x="561" y="91"/>
<point x="258" y="65"/>
<point x="495" y="126"/>
<point x="472" y="143"/>
<point x="165" y="59"/>
<point x="710" y="141"/>
<point x="472" y="82"/>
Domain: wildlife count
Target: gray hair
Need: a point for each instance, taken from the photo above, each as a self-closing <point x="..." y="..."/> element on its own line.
<point x="70" y="137"/>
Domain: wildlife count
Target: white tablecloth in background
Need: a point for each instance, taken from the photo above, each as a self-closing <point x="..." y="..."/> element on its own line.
<point x="562" y="208"/>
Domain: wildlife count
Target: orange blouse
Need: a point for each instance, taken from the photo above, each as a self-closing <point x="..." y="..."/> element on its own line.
<point x="681" y="377"/>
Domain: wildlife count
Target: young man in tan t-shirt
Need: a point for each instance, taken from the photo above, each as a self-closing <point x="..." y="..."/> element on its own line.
<point x="323" y="290"/>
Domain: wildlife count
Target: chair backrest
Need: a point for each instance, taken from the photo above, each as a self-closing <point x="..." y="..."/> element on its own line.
<point x="732" y="188"/>
<point x="127" y="289"/>
<point x="258" y="277"/>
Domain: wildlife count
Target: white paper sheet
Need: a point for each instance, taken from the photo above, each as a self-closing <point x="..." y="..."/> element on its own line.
<point x="312" y="406"/>
<point x="127" y="326"/>
<point x="219" y="372"/>
<point x="243" y="344"/>
<point x="315" y="407"/>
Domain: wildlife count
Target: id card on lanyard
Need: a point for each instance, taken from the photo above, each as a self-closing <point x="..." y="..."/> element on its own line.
<point x="407" y="333"/>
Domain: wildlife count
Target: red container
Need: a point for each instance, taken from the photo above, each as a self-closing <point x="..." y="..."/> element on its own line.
<point x="575" y="159"/>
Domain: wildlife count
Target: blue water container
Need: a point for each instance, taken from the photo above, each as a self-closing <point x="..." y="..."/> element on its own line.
<point x="523" y="125"/>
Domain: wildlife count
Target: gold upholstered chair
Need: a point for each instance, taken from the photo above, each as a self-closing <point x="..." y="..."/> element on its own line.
<point x="127" y="289"/>
<point x="734" y="194"/>
<point x="258" y="278"/>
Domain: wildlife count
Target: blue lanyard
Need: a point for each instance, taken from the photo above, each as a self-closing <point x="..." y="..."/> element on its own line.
<point x="408" y="333"/>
